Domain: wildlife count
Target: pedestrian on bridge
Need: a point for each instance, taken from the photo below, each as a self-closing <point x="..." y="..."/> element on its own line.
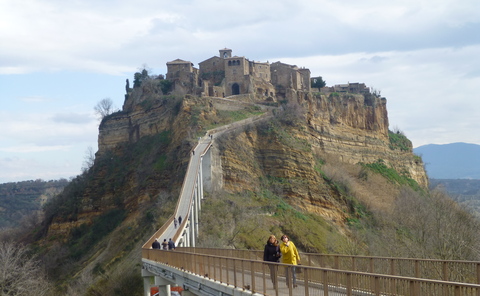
<point x="175" y="222"/>
<point x="165" y="244"/>
<point x="171" y="245"/>
<point x="290" y="256"/>
<point x="271" y="253"/>
<point x="156" y="244"/>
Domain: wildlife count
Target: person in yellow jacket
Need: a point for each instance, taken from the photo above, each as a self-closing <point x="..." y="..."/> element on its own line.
<point x="289" y="256"/>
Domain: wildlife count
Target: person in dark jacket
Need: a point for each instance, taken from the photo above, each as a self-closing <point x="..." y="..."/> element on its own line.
<point x="272" y="253"/>
<point x="171" y="244"/>
<point x="156" y="244"/>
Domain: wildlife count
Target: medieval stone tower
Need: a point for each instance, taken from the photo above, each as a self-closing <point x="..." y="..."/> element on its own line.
<point x="226" y="75"/>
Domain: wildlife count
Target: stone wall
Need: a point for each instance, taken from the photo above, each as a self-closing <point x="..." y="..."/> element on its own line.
<point x="260" y="70"/>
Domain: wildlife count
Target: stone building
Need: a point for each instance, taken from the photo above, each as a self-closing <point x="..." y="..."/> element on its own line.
<point x="226" y="75"/>
<point x="183" y="75"/>
<point x="286" y="76"/>
<point x="353" y="88"/>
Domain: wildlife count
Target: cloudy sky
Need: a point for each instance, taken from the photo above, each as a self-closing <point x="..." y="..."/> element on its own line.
<point x="59" y="58"/>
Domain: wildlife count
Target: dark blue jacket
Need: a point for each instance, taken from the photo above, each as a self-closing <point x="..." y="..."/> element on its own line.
<point x="271" y="253"/>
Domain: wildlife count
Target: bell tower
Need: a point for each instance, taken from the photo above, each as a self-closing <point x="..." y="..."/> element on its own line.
<point x="225" y="53"/>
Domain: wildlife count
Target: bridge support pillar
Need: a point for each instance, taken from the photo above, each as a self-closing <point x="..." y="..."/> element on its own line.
<point x="196" y="210"/>
<point x="150" y="281"/>
<point x="164" y="290"/>
<point x="200" y="182"/>
<point x="146" y="286"/>
<point x="192" y="225"/>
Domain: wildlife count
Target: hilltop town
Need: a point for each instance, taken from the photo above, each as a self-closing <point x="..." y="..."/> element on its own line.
<point x="226" y="75"/>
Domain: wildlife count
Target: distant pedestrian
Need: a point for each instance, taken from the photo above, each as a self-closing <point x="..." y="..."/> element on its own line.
<point x="179" y="220"/>
<point x="175" y="222"/>
<point x="171" y="244"/>
<point x="193" y="152"/>
<point x="156" y="244"/>
<point x="165" y="244"/>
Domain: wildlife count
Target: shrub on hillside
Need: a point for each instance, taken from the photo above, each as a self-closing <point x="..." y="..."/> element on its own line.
<point x="398" y="141"/>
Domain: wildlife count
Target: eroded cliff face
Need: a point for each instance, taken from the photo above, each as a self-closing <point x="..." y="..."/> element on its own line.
<point x="150" y="116"/>
<point x="347" y="129"/>
<point x="355" y="128"/>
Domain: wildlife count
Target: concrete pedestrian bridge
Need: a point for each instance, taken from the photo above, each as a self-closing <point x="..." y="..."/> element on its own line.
<point x="220" y="272"/>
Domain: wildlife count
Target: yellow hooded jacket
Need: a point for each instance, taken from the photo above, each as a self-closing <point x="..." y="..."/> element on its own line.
<point x="289" y="253"/>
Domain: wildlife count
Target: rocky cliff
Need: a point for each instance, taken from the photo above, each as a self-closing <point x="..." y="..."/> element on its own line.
<point x="349" y="128"/>
<point x="306" y="131"/>
<point x="355" y="128"/>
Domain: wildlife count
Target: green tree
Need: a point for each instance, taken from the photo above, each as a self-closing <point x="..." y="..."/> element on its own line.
<point x="141" y="76"/>
<point x="318" y="82"/>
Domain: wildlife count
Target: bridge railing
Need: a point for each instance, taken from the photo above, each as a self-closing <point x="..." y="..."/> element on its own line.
<point x="444" y="270"/>
<point x="254" y="275"/>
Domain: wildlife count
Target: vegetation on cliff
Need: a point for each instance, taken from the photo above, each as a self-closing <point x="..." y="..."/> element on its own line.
<point x="399" y="141"/>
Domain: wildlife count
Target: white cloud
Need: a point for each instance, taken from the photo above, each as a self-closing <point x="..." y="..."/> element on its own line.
<point x="38" y="99"/>
<point x="422" y="55"/>
<point x="19" y="169"/>
<point x="42" y="129"/>
<point x="31" y="148"/>
<point x="72" y="118"/>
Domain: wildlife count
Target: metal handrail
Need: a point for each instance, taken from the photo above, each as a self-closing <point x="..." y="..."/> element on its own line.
<point x="435" y="269"/>
<point x="254" y="275"/>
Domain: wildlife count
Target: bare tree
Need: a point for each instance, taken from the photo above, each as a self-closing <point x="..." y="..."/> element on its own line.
<point x="434" y="226"/>
<point x="20" y="274"/>
<point x="104" y="107"/>
<point x="88" y="159"/>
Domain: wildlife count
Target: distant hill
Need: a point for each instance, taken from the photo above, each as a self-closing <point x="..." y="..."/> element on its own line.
<point x="19" y="199"/>
<point x="451" y="161"/>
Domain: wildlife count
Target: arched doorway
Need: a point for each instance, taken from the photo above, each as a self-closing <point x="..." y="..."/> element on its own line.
<point x="235" y="89"/>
